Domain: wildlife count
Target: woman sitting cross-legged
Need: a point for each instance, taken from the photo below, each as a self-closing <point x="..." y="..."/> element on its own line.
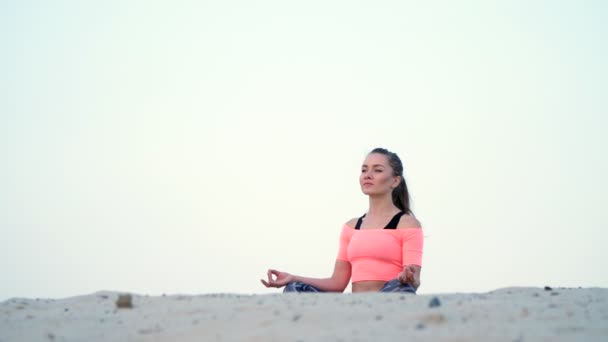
<point x="381" y="250"/>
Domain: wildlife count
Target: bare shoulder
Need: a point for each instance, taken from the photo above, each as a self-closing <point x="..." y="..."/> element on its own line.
<point x="352" y="222"/>
<point x="408" y="221"/>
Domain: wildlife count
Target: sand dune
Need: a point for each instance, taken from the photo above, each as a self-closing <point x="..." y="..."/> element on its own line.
<point x="508" y="314"/>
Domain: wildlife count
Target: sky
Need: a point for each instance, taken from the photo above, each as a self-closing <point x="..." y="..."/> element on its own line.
<point x="187" y="146"/>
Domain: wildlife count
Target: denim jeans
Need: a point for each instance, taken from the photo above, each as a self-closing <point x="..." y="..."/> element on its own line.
<point x="393" y="285"/>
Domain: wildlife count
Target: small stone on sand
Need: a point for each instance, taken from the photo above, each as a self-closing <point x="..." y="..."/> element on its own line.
<point x="124" y="301"/>
<point x="434" y="302"/>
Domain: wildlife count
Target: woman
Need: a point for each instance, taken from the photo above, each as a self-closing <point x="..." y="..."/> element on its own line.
<point x="378" y="259"/>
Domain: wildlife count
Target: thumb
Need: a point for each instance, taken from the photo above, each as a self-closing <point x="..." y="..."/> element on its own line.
<point x="401" y="277"/>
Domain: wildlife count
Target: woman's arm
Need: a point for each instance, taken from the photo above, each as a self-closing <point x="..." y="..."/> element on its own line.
<point x="338" y="280"/>
<point x="336" y="283"/>
<point x="413" y="242"/>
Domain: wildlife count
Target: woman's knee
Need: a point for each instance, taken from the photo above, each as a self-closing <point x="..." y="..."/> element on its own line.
<point x="296" y="286"/>
<point x="395" y="285"/>
<point x="291" y="287"/>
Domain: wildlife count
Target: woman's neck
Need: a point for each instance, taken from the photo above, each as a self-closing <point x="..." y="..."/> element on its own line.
<point x="381" y="206"/>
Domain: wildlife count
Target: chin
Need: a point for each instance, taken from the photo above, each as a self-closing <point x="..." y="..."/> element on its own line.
<point x="366" y="192"/>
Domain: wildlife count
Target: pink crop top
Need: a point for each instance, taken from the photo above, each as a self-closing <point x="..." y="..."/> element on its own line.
<point x="380" y="254"/>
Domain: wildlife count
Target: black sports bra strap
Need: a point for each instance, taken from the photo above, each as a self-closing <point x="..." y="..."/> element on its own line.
<point x="391" y="225"/>
<point x="394" y="221"/>
<point x="359" y="221"/>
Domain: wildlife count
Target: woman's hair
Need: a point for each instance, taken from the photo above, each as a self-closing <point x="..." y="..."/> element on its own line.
<point x="401" y="196"/>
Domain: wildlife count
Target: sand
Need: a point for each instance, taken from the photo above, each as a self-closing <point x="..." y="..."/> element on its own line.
<point x="507" y="314"/>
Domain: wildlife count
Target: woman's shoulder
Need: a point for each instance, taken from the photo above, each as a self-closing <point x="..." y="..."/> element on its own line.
<point x="408" y="221"/>
<point x="351" y="223"/>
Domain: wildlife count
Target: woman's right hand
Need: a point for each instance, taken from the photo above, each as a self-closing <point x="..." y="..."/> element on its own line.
<point x="282" y="278"/>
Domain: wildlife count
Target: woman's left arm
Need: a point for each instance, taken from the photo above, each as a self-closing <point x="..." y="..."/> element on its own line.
<point x="413" y="242"/>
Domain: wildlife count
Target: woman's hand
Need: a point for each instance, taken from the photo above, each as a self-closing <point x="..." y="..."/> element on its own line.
<point x="410" y="275"/>
<point x="282" y="279"/>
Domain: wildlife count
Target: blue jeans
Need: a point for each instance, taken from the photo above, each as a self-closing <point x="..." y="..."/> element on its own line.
<point x="393" y="285"/>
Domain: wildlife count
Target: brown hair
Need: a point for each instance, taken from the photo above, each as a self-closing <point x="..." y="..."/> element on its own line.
<point x="401" y="196"/>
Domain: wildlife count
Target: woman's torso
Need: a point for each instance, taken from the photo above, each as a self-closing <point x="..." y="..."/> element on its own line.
<point x="396" y="222"/>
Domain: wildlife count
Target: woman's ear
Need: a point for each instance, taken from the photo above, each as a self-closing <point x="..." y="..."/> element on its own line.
<point x="396" y="182"/>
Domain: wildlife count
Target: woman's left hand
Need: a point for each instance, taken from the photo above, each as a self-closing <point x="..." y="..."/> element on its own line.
<point x="410" y="275"/>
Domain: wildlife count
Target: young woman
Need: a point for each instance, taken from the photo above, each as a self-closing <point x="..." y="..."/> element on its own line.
<point x="381" y="250"/>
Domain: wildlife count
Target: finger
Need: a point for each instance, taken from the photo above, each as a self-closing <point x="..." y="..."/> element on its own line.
<point x="275" y="273"/>
<point x="268" y="284"/>
<point x="270" y="273"/>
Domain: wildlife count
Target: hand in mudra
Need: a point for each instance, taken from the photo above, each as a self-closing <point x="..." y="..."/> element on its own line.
<point x="410" y="275"/>
<point x="282" y="279"/>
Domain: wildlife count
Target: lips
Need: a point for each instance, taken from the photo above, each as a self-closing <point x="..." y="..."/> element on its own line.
<point x="367" y="183"/>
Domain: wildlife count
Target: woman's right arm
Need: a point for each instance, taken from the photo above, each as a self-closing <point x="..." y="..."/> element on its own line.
<point x="336" y="283"/>
<point x="338" y="280"/>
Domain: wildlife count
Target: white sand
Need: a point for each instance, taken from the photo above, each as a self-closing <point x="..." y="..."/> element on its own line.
<point x="509" y="314"/>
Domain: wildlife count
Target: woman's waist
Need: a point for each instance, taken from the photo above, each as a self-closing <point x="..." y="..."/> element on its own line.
<point x="368" y="285"/>
<point x="374" y="269"/>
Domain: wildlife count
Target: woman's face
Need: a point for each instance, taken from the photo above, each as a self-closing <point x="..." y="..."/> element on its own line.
<point x="377" y="175"/>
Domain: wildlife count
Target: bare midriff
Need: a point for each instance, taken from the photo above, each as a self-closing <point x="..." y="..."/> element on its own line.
<point x="368" y="286"/>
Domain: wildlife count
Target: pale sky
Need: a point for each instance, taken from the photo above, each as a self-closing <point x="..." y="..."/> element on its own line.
<point x="188" y="146"/>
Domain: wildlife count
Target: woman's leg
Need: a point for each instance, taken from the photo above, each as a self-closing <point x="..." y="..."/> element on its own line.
<point x="296" y="286"/>
<point x="395" y="285"/>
